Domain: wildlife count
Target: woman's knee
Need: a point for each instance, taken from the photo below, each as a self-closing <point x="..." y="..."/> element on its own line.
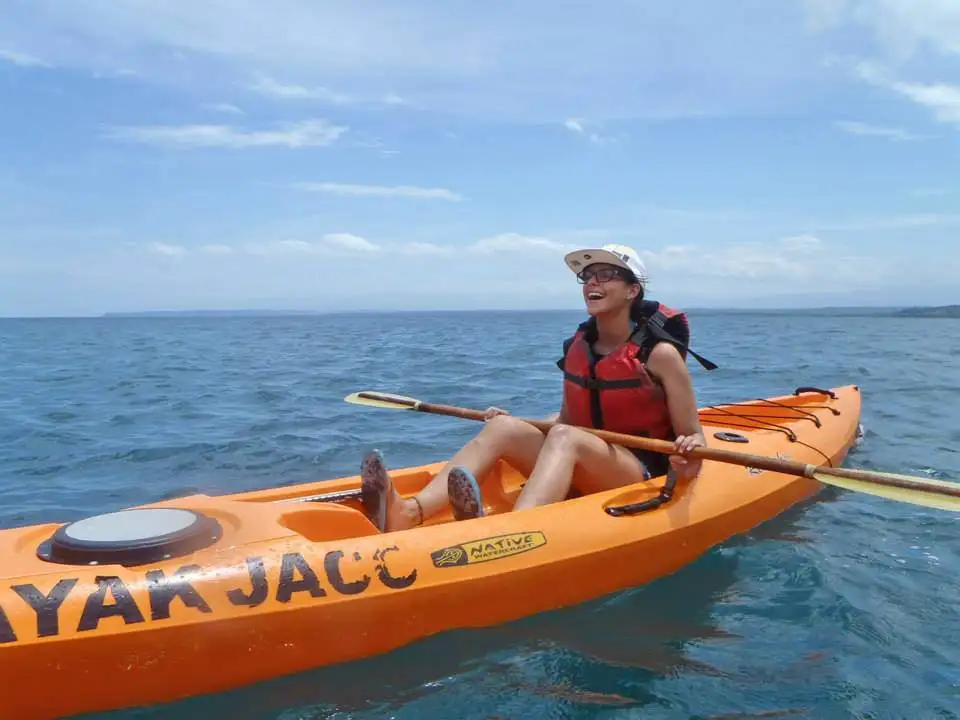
<point x="566" y="435"/>
<point x="506" y="430"/>
<point x="500" y="424"/>
<point x="586" y="447"/>
<point x="508" y="426"/>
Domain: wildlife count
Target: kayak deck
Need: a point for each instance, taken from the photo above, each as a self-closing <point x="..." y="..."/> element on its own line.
<point x="760" y="425"/>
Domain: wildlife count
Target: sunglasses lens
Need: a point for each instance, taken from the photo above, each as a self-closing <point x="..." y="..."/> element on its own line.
<point x="602" y="274"/>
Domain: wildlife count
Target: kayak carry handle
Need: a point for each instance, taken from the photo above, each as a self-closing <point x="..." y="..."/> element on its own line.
<point x="666" y="494"/>
<point x="819" y="391"/>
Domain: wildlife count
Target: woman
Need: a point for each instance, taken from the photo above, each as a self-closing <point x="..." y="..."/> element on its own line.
<point x="649" y="393"/>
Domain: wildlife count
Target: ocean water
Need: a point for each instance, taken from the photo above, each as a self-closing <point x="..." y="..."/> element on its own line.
<point x="844" y="607"/>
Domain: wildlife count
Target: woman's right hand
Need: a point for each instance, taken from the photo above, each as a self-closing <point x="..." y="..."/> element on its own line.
<point x="492" y="412"/>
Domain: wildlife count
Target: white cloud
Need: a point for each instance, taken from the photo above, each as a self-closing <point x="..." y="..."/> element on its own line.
<point x="467" y="60"/>
<point x="524" y="271"/>
<point x="902" y="28"/>
<point x="802" y="244"/>
<point x="307" y="133"/>
<point x="406" y="191"/>
<point x="799" y="259"/>
<point x="426" y="248"/>
<point x="291" y="91"/>
<point x="22" y="59"/>
<point x="346" y="241"/>
<point x="824" y="14"/>
<point x="331" y="243"/>
<point x="941" y="99"/>
<point x="893" y="222"/>
<point x="859" y="128"/>
<point x="513" y="242"/>
<point x="295" y="246"/>
<point x="911" y="38"/>
<point x="168" y="250"/>
<point x="269" y="86"/>
<point x="216" y="249"/>
<point x="113" y="74"/>
<point x="581" y="127"/>
<point x="228" y="108"/>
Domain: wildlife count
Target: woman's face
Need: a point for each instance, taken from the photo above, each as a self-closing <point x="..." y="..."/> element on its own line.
<point x="606" y="288"/>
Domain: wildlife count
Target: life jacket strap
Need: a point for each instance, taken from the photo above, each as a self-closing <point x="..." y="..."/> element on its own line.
<point x="600" y="384"/>
<point x="656" y="323"/>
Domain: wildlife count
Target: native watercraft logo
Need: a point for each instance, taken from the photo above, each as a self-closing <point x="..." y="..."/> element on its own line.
<point x="485" y="549"/>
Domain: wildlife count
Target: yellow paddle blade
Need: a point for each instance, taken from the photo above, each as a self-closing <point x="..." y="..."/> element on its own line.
<point x="371" y="398"/>
<point x="907" y="495"/>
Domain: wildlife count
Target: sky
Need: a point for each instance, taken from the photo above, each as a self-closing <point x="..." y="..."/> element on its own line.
<point x="425" y="155"/>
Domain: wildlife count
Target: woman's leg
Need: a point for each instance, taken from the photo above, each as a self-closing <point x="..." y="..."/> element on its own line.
<point x="598" y="466"/>
<point x="503" y="436"/>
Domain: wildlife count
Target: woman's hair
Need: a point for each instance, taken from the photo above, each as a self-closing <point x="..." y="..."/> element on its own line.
<point x="638" y="311"/>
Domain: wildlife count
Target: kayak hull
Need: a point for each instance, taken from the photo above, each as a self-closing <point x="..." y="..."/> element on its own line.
<point x="287" y="584"/>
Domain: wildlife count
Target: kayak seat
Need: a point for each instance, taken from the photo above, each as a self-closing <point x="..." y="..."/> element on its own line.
<point x="328" y="521"/>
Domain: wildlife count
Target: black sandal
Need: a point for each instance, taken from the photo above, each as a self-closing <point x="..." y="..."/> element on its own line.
<point x="464" y="494"/>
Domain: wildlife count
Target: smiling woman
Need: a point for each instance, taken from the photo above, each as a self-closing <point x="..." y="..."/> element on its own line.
<point x="623" y="371"/>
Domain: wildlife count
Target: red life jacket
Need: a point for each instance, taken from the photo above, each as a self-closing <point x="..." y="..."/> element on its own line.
<point x="617" y="392"/>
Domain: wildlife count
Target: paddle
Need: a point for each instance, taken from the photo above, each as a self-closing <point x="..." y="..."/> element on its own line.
<point x="903" y="488"/>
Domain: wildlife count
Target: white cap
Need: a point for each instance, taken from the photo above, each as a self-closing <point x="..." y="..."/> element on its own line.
<point x="619" y="255"/>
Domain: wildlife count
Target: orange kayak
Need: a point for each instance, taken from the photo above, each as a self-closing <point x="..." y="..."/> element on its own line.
<point x="203" y="594"/>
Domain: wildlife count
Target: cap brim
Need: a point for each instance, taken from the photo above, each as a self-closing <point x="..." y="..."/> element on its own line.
<point x="579" y="259"/>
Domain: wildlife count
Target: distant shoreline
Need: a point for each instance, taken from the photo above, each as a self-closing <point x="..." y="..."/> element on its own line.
<point x="922" y="311"/>
<point x="211" y="313"/>
<point x="937" y="311"/>
<point x="950" y="311"/>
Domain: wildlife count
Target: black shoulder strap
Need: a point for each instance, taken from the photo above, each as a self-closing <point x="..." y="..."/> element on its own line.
<point x="655" y="326"/>
<point x="566" y="348"/>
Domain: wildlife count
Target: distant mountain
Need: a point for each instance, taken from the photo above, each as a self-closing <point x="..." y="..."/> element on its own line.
<point x="209" y="313"/>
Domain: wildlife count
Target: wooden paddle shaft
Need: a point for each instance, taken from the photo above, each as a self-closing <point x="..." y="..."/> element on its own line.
<point x="760" y="462"/>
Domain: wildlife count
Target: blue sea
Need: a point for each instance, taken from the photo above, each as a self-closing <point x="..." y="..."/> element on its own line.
<point x="844" y="607"/>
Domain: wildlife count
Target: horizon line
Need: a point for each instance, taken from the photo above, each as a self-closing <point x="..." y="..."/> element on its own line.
<point x="249" y="311"/>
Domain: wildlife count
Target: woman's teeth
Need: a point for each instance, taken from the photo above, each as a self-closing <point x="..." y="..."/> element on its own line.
<point x="595" y="296"/>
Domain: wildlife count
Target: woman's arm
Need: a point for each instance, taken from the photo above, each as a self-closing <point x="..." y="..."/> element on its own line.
<point x="666" y="363"/>
<point x="558" y="417"/>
